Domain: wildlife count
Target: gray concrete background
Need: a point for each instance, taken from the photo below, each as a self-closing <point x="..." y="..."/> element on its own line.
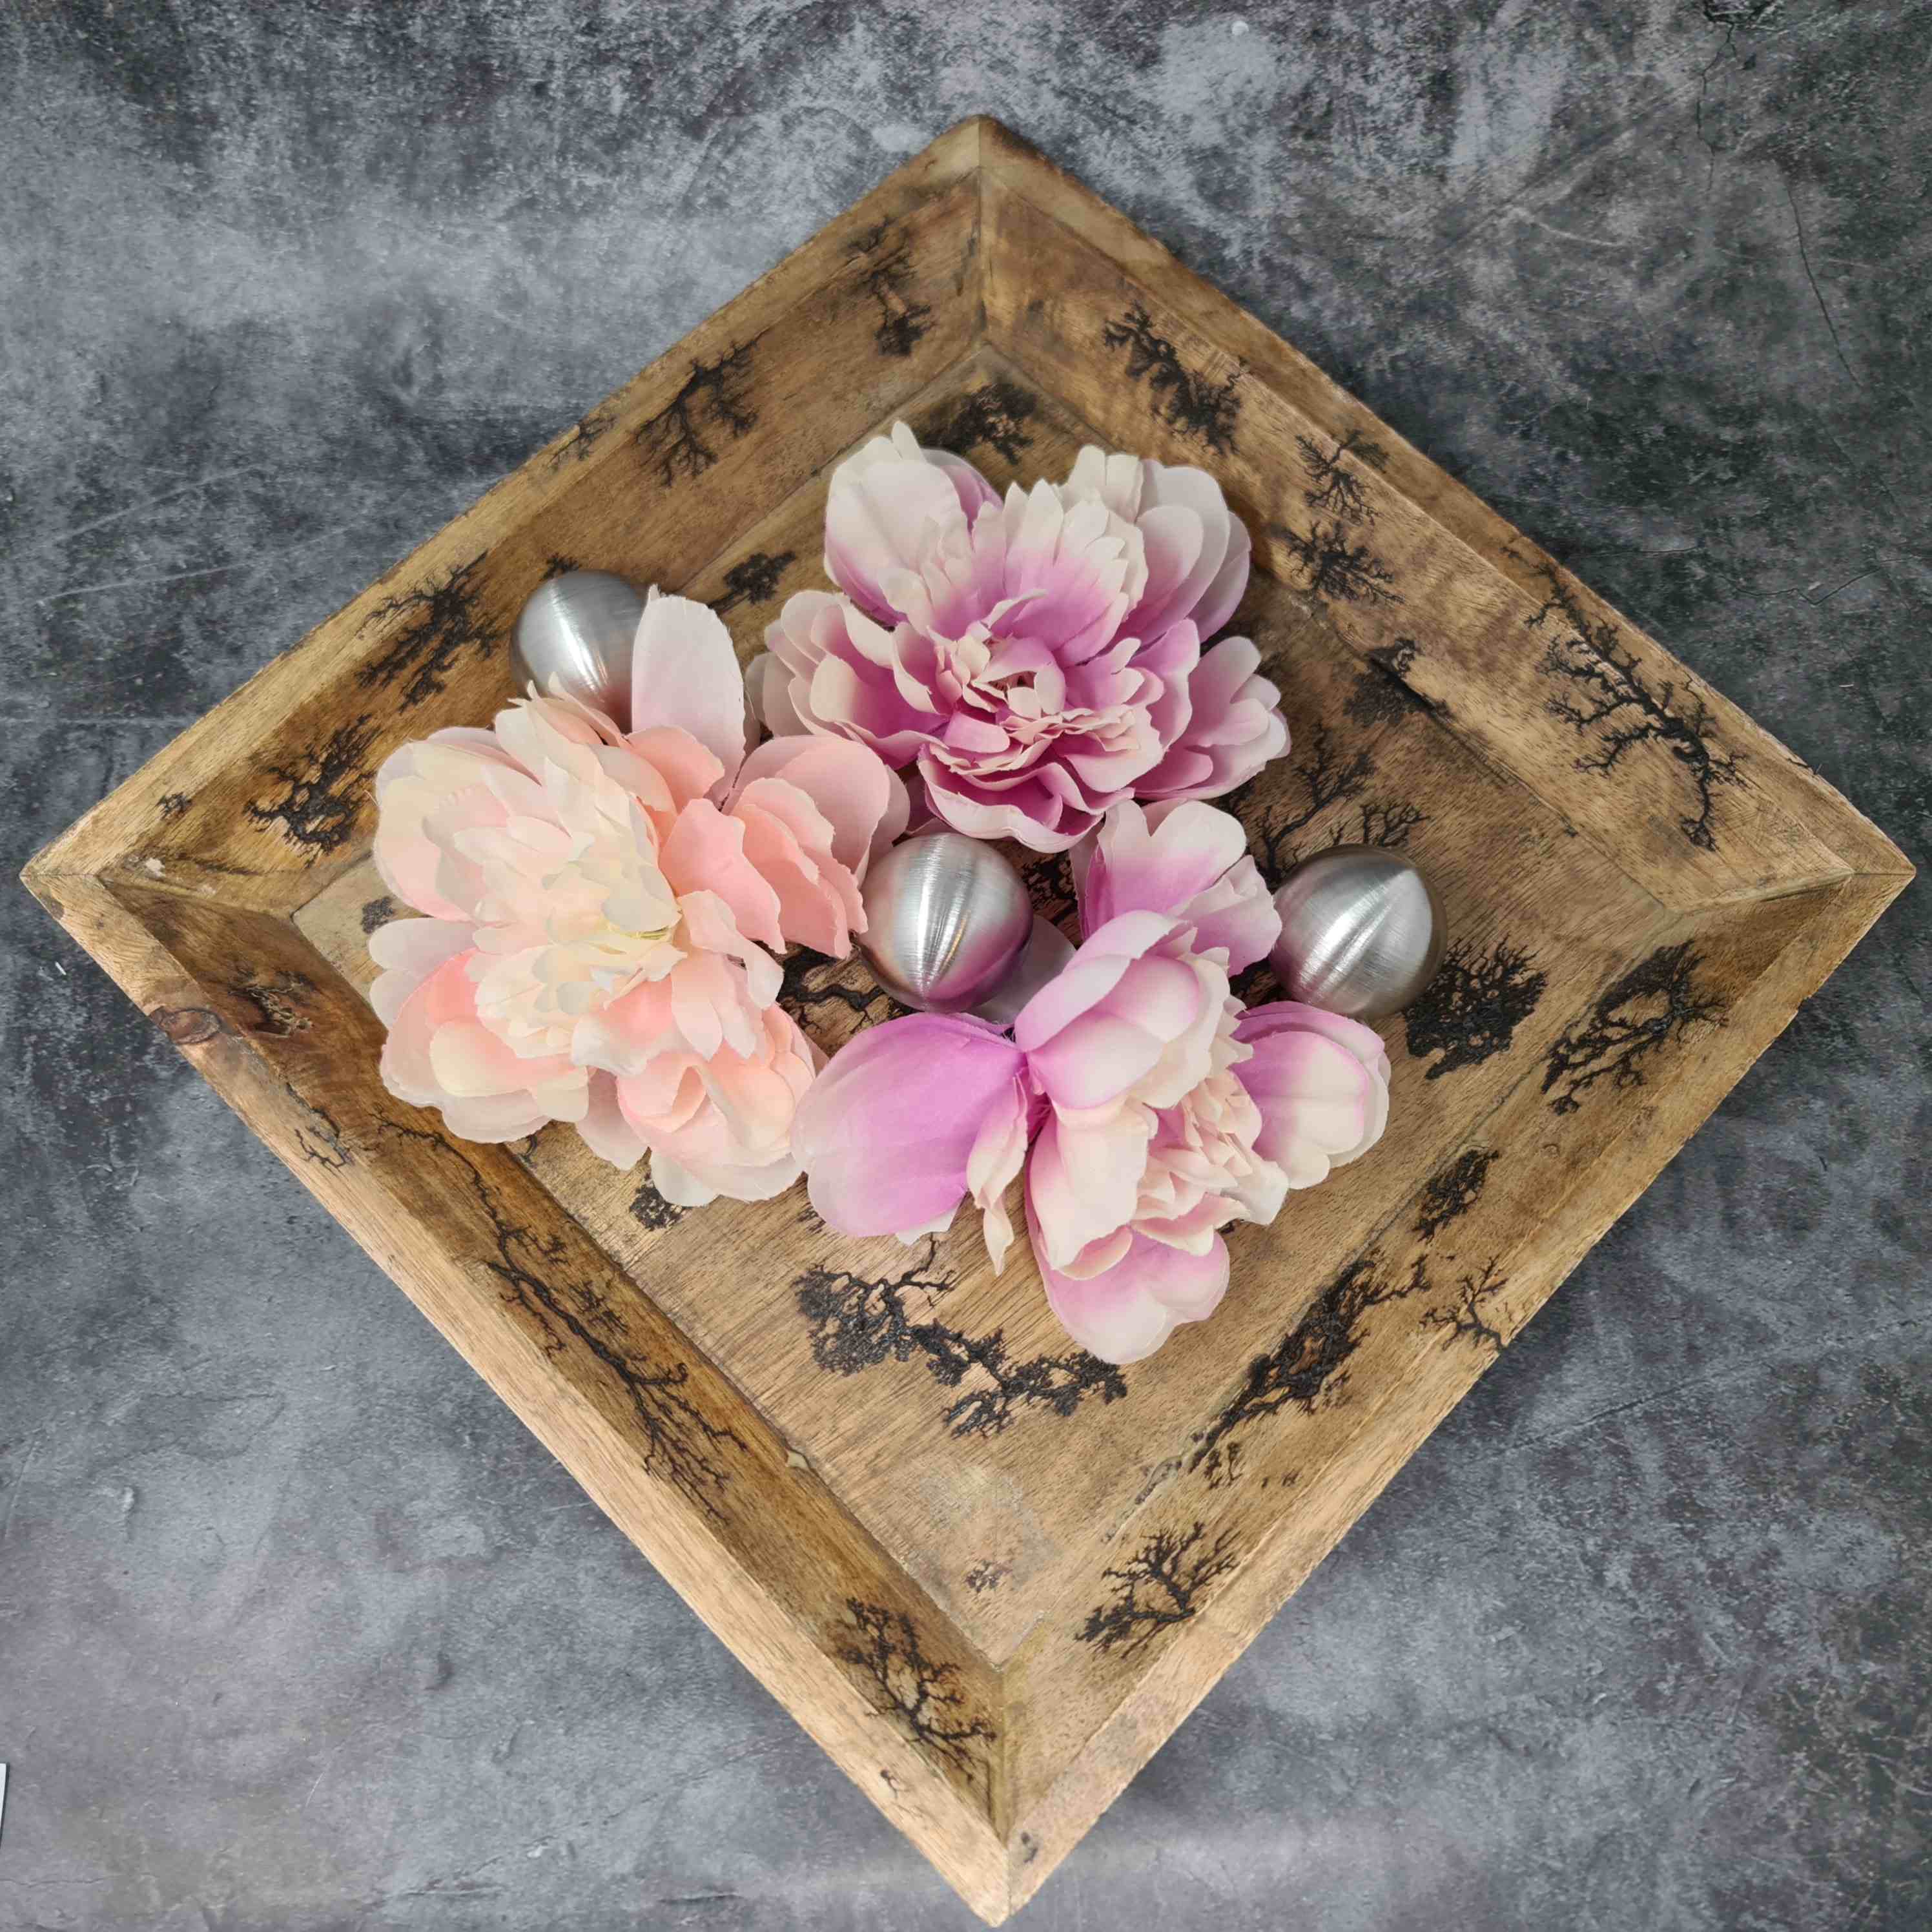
<point x="297" y="1627"/>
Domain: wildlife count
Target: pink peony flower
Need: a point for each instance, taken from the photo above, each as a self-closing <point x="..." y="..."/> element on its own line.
<point x="1158" y="1111"/>
<point x="602" y="907"/>
<point x="1038" y="658"/>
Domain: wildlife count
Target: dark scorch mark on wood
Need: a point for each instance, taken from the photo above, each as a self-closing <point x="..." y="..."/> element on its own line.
<point x="713" y="401"/>
<point x="322" y="796"/>
<point x="1328" y="779"/>
<point x="318" y="1138"/>
<point x="1381" y="694"/>
<point x="650" y="1209"/>
<point x="1619" y="705"/>
<point x="1452" y="1191"/>
<point x="378" y="912"/>
<point x="815" y="990"/>
<point x="857" y="1324"/>
<point x="1186" y="400"/>
<point x="1309" y="1362"/>
<point x="1472" y="1009"/>
<point x="987" y="1575"/>
<point x="903" y="320"/>
<point x="444" y="620"/>
<point x="994" y="416"/>
<point x="753" y="579"/>
<point x="682" y="1445"/>
<point x="1387" y="826"/>
<point x="1049" y="879"/>
<point x="1335" y="485"/>
<point x="1466" y="1318"/>
<point x="588" y="431"/>
<point x="918" y="1693"/>
<point x="1336" y="568"/>
<point x="556" y="565"/>
<point x="278" y="999"/>
<point x="1158" y="1586"/>
<point x="172" y="804"/>
<point x="1657" y="1000"/>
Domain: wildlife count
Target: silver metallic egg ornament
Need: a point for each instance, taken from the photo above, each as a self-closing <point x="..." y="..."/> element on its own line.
<point x="946" y="920"/>
<point x="578" y="629"/>
<point x="1362" y="932"/>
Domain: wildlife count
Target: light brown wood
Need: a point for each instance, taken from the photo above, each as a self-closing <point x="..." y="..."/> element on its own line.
<point x="989" y="1575"/>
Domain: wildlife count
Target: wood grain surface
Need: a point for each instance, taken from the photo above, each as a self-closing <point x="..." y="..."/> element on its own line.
<point x="987" y="1573"/>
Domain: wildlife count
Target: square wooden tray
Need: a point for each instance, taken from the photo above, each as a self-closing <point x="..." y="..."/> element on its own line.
<point x="987" y="1573"/>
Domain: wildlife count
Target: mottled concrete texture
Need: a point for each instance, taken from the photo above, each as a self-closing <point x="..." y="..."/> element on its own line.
<point x="297" y="1627"/>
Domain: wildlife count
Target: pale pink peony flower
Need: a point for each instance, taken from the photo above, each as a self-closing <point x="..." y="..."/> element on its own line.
<point x="602" y="910"/>
<point x="1158" y="1111"/>
<point x="1038" y="658"/>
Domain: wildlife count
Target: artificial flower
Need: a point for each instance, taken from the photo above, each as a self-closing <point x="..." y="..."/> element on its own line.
<point x="1149" y="1109"/>
<point x="1038" y="658"/>
<point x="601" y="911"/>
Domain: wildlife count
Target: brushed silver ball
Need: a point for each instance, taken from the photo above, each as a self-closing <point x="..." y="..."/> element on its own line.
<point x="578" y="629"/>
<point x="1362" y="932"/>
<point x="946" y="919"/>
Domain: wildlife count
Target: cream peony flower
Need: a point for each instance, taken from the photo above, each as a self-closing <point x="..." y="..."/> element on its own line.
<point x="602" y="908"/>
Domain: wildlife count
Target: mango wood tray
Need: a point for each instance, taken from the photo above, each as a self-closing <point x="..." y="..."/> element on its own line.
<point x="989" y="1574"/>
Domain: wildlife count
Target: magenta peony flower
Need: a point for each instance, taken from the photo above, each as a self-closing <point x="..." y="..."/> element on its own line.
<point x="1158" y="1111"/>
<point x="1037" y="658"/>
<point x="602" y="908"/>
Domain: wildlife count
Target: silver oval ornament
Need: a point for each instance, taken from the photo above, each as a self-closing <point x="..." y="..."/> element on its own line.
<point x="1362" y="932"/>
<point x="576" y="633"/>
<point x="947" y="919"/>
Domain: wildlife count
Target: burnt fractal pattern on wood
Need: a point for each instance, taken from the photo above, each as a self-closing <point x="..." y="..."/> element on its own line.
<point x="1467" y="1318"/>
<point x="858" y="1323"/>
<point x="1472" y="1009"/>
<point x="1327" y="778"/>
<point x="682" y="439"/>
<point x="682" y="1445"/>
<point x="1183" y="400"/>
<point x="918" y="1694"/>
<point x="444" y="620"/>
<point x="994" y="416"/>
<point x="753" y="580"/>
<point x="1159" y="1585"/>
<point x="1617" y="705"/>
<point x="322" y="792"/>
<point x="1452" y="1191"/>
<point x="1656" y="1001"/>
<point x="903" y="321"/>
<point x="1309" y="1363"/>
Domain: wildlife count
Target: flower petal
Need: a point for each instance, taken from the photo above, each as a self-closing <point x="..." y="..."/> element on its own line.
<point x="409" y="950"/>
<point x="1321" y="1081"/>
<point x="1125" y="1313"/>
<point x="887" y="1133"/>
<point x="606" y="1132"/>
<point x="883" y="510"/>
<point x="685" y="672"/>
<point x="1083" y="1182"/>
<point x="1235" y="727"/>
